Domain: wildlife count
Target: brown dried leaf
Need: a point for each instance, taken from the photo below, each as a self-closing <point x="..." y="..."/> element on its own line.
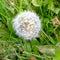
<point x="31" y="58"/>
<point x="55" y="21"/>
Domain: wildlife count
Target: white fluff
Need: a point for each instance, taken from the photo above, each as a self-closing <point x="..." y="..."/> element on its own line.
<point x="27" y="25"/>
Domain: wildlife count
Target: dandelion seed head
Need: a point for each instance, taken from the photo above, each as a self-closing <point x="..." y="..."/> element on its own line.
<point x="27" y="25"/>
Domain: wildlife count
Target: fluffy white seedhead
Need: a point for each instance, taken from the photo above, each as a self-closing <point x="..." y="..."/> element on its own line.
<point x="27" y="25"/>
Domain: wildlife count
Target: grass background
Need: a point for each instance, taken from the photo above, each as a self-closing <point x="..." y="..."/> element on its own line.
<point x="14" y="48"/>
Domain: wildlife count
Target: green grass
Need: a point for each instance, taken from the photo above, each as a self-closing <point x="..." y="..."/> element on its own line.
<point x="14" y="48"/>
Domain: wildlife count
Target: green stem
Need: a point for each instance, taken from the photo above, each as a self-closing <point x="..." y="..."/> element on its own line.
<point x="20" y="9"/>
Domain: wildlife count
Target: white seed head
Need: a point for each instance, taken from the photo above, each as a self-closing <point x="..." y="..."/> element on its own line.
<point x="27" y="25"/>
